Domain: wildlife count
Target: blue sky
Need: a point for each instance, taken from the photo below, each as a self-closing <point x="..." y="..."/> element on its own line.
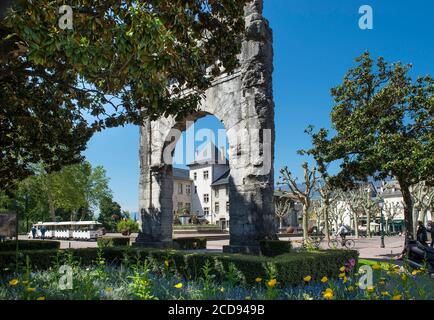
<point x="315" y="43"/>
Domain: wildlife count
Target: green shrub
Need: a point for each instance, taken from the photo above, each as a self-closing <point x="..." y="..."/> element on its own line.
<point x="273" y="248"/>
<point x="10" y="245"/>
<point x="191" y="243"/>
<point x="107" y="242"/>
<point x="127" y="226"/>
<point x="290" y="268"/>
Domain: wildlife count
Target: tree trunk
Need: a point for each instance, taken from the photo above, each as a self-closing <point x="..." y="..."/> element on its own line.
<point x="326" y="224"/>
<point x="305" y="224"/>
<point x="368" y="225"/>
<point x="356" y="227"/>
<point x="423" y="216"/>
<point x="408" y="210"/>
<point x="415" y="217"/>
<point x="52" y="208"/>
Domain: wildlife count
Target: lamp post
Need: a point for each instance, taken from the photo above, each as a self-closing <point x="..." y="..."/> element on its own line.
<point x="381" y="205"/>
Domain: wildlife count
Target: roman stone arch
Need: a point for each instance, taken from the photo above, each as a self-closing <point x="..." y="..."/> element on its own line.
<point x="243" y="101"/>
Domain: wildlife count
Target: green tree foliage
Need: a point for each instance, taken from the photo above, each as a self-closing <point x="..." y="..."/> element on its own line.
<point x="74" y="193"/>
<point x="110" y="213"/>
<point x="383" y="123"/>
<point x="122" y="61"/>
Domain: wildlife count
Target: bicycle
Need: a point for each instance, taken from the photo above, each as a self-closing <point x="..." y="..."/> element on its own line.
<point x="314" y="241"/>
<point x="336" y="242"/>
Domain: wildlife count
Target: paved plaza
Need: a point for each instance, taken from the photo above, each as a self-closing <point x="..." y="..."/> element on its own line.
<point x="369" y="248"/>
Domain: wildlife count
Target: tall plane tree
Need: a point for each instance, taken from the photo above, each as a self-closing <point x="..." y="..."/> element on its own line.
<point x="303" y="192"/>
<point x="383" y="123"/>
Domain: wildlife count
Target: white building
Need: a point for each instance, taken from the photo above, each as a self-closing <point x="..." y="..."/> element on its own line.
<point x="393" y="209"/>
<point x="220" y="199"/>
<point x="203" y="189"/>
<point x="182" y="189"/>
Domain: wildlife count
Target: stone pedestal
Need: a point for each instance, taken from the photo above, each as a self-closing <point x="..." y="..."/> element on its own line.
<point x="251" y="250"/>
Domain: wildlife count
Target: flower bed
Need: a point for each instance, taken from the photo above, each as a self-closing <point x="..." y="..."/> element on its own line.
<point x="152" y="279"/>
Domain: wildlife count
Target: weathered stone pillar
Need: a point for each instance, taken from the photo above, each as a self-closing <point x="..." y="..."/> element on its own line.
<point x="155" y="193"/>
<point x="243" y="101"/>
<point x="252" y="175"/>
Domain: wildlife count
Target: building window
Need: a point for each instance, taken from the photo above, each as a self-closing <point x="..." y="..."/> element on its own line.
<point x="206" y="198"/>
<point x="188" y="206"/>
<point x="206" y="175"/>
<point x="216" y="192"/>
<point x="227" y="206"/>
<point x="179" y="206"/>
<point x="180" y="188"/>
<point x="206" y="211"/>
<point x="227" y="191"/>
<point x="195" y="176"/>
<point x="188" y="189"/>
<point x="195" y="189"/>
<point x="217" y="207"/>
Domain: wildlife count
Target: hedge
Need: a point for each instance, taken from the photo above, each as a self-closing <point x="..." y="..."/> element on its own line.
<point x="10" y="245"/>
<point x="190" y="243"/>
<point x="290" y="268"/>
<point x="108" y="242"/>
<point x="273" y="248"/>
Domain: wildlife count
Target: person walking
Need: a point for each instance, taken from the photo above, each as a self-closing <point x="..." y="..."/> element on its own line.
<point x="43" y="230"/>
<point x="421" y="234"/>
<point x="33" y="232"/>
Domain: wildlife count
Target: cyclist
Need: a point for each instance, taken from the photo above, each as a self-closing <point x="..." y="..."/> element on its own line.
<point x="342" y="232"/>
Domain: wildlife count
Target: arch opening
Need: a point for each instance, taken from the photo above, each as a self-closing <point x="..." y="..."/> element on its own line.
<point x="200" y="173"/>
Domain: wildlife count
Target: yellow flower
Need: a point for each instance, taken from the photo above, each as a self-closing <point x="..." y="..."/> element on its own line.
<point x="341" y="275"/>
<point x="108" y="290"/>
<point x="404" y="277"/>
<point x="350" y="289"/>
<point x="381" y="282"/>
<point x="307" y="279"/>
<point x="370" y="289"/>
<point x="385" y="294"/>
<point x="25" y="282"/>
<point x="222" y="290"/>
<point x="166" y="263"/>
<point x="342" y="269"/>
<point x="14" y="282"/>
<point x="376" y="266"/>
<point x="31" y="289"/>
<point x="272" y="283"/>
<point x="345" y="279"/>
<point x="415" y="272"/>
<point x="40" y="298"/>
<point x="248" y="298"/>
<point x="328" y="294"/>
<point x="397" y="297"/>
<point x="178" y="286"/>
<point x="324" y="279"/>
<point x="258" y="279"/>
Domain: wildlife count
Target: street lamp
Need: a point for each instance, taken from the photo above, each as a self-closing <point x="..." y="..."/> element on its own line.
<point x="381" y="205"/>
